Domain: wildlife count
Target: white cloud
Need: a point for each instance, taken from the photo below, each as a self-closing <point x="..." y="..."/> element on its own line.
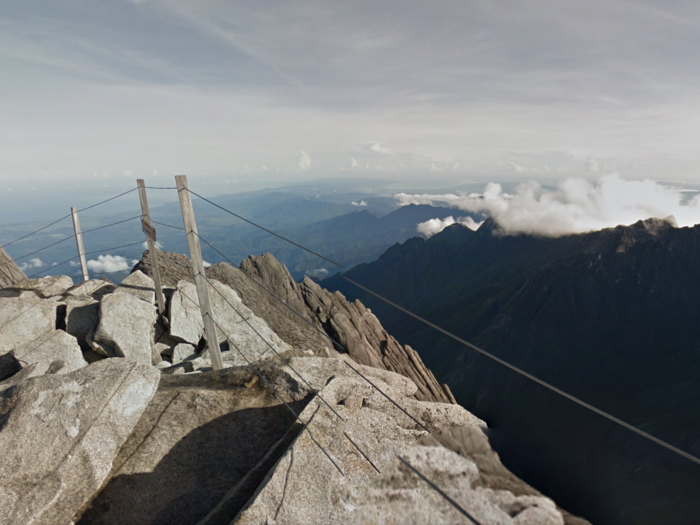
<point x="206" y="264"/>
<point x="353" y="163"/>
<point x="361" y="203"/>
<point x="378" y="147"/>
<point x="109" y="263"/>
<point x="319" y="273"/>
<point x="303" y="160"/>
<point x="433" y="226"/>
<point x="32" y="263"/>
<point x="158" y="245"/>
<point x="575" y="206"/>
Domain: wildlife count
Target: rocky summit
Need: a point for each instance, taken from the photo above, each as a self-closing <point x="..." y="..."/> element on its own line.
<point x="111" y="412"/>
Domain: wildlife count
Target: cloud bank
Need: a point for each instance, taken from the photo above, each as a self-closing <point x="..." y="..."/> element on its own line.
<point x="433" y="226"/>
<point x="574" y="206"/>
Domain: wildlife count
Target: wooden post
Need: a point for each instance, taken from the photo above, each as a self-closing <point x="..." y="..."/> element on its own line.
<point x="198" y="268"/>
<point x="79" y="243"/>
<point x="152" y="250"/>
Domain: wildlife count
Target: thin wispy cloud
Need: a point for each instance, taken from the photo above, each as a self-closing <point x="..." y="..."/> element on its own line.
<point x="214" y="86"/>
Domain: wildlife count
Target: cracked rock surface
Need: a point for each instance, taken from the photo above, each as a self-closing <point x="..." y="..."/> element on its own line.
<point x="60" y="434"/>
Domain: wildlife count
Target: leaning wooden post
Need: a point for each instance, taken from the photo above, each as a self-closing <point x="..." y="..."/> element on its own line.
<point x="198" y="268"/>
<point x="150" y="232"/>
<point x="79" y="243"/>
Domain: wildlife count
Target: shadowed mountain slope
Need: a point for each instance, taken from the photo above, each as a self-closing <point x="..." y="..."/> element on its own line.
<point x="612" y="317"/>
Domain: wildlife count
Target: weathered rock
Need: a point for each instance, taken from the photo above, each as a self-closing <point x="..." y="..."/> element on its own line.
<point x="10" y="273"/>
<point x="473" y="444"/>
<point x="305" y="487"/>
<point x="53" y="353"/>
<point x="400" y="496"/>
<point x="361" y="333"/>
<point x="125" y="328"/>
<point x="265" y="271"/>
<point x="184" y="314"/>
<point x="232" y="317"/>
<point x="60" y="435"/>
<point x="139" y="285"/>
<point x="23" y="318"/>
<point x="46" y="286"/>
<point x="199" y="437"/>
<point x="182" y="352"/>
<point x="174" y="267"/>
<point x="93" y="287"/>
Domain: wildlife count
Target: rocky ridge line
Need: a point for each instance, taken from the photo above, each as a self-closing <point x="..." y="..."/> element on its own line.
<point x="349" y="323"/>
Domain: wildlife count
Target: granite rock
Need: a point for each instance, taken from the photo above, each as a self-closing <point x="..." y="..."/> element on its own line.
<point x="126" y="328"/>
<point x="60" y="434"/>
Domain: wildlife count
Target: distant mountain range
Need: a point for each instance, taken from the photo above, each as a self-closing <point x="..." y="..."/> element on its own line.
<point x="612" y="317"/>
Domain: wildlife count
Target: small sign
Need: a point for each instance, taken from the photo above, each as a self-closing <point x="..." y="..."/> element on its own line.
<point x="148" y="229"/>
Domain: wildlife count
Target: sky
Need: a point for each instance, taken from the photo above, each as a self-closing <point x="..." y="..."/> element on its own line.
<point x="100" y="93"/>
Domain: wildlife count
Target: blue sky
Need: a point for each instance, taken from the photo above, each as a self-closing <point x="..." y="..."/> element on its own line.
<point x="104" y="92"/>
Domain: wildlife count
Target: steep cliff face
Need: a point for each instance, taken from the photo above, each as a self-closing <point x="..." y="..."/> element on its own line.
<point x="349" y="323"/>
<point x="9" y="271"/>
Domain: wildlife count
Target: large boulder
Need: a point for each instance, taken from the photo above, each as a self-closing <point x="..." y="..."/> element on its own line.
<point x="126" y="328"/>
<point x="139" y="285"/>
<point x="49" y="286"/>
<point x="24" y="317"/>
<point x="60" y="434"/>
<point x="185" y="316"/>
<point x="53" y="353"/>
<point x="82" y="312"/>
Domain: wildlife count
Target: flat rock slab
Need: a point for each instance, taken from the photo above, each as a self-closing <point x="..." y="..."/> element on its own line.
<point x="93" y="287"/>
<point x="25" y="318"/>
<point x="60" y="435"/>
<point x="197" y="439"/>
<point x="126" y="328"/>
<point x="185" y="317"/>
<point x="54" y="353"/>
<point x="46" y="286"/>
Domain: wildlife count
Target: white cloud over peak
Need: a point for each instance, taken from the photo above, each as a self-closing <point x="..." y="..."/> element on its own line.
<point x="361" y="203"/>
<point x="574" y="206"/>
<point x="433" y="226"/>
<point x="109" y="263"/>
<point x="303" y="160"/>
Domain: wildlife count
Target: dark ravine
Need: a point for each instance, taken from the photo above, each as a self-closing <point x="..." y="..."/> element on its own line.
<point x="612" y="317"/>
